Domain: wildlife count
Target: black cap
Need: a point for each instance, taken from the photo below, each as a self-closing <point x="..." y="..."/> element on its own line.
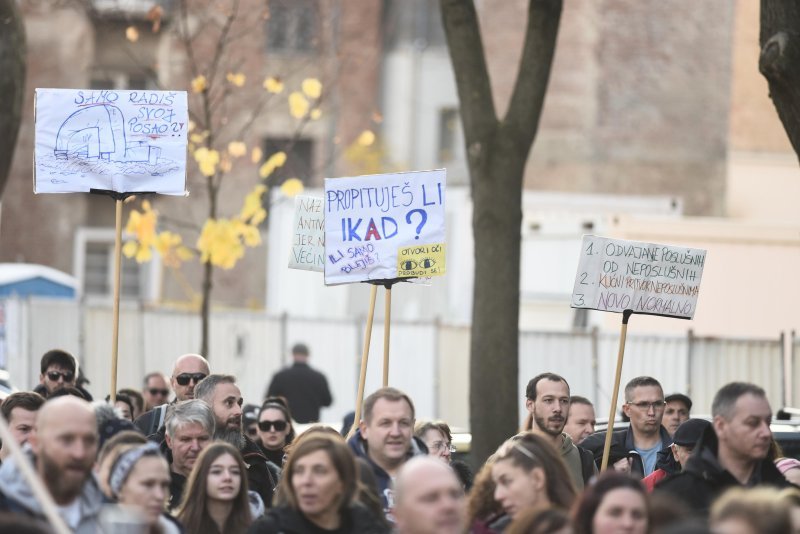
<point x="250" y="414"/>
<point x="680" y="397"/>
<point x="689" y="432"/>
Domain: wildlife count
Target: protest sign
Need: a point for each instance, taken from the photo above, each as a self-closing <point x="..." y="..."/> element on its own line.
<point x="617" y="275"/>
<point x="384" y="226"/>
<point x="122" y="141"/>
<point x="308" y="239"/>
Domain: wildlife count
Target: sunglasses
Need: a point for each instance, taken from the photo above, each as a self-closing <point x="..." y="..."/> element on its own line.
<point x="55" y="375"/>
<point x="156" y="391"/>
<point x="265" y="425"/>
<point x="183" y="379"/>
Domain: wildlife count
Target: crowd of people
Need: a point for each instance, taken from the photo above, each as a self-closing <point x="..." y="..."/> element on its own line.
<point x="186" y="454"/>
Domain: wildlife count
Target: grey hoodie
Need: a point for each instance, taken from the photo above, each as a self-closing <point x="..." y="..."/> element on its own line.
<point x="21" y="498"/>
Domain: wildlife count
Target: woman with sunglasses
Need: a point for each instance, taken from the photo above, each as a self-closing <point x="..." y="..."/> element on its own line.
<point x="318" y="492"/>
<point x="528" y="472"/>
<point x="275" y="429"/>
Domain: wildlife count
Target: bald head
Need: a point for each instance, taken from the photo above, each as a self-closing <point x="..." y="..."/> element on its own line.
<point x="188" y="371"/>
<point x="429" y="498"/>
<point x="65" y="445"/>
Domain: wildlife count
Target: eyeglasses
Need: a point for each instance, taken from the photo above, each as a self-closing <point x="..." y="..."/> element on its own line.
<point x="266" y="425"/>
<point x="441" y="446"/>
<point x="55" y="375"/>
<point x="644" y="405"/>
<point x="184" y="378"/>
<point x="161" y="392"/>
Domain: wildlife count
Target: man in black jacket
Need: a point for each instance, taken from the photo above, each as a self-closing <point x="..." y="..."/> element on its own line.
<point x="635" y="449"/>
<point x="733" y="452"/>
<point x="223" y="395"/>
<point x="305" y="389"/>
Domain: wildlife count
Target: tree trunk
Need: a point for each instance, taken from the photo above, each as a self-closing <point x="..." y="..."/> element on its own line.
<point x="497" y="151"/>
<point x="779" y="61"/>
<point x="12" y="82"/>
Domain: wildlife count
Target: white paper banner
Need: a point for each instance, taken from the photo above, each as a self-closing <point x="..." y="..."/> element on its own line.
<point x="124" y="141"/>
<point x="385" y="226"/>
<point x="308" y="239"/>
<point x="617" y="275"/>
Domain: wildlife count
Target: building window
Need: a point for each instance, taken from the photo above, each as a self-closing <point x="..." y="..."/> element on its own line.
<point x="94" y="268"/>
<point x="292" y="25"/>
<point x="299" y="159"/>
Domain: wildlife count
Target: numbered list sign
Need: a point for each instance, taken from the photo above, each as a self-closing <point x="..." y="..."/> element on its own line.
<point x="648" y="278"/>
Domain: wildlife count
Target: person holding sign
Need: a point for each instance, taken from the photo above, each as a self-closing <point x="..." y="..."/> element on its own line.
<point x="635" y="449"/>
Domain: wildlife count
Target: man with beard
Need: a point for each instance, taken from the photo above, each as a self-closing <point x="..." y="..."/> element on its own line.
<point x="189" y="428"/>
<point x="63" y="450"/>
<point x="547" y="400"/>
<point x="635" y="449"/>
<point x="222" y="394"/>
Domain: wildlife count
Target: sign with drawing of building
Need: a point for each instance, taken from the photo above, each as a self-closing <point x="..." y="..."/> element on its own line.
<point x="123" y="141"/>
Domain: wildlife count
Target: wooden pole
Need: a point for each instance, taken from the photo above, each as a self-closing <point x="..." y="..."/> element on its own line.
<point x="387" y="324"/>
<point x="623" y="333"/>
<point x="115" y="320"/>
<point x="39" y="491"/>
<point x="364" y="359"/>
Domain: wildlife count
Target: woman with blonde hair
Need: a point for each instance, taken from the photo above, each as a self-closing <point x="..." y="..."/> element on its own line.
<point x="318" y="492"/>
<point x="216" y="499"/>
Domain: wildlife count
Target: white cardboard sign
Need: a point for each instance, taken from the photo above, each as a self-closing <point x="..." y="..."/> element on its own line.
<point x="123" y="141"/>
<point x="385" y="226"/>
<point x="617" y="275"/>
<point x="308" y="238"/>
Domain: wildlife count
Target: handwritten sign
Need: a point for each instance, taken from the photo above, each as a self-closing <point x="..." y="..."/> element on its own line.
<point x="124" y="141"/>
<point x="384" y="226"/>
<point x="308" y="241"/>
<point x="616" y="275"/>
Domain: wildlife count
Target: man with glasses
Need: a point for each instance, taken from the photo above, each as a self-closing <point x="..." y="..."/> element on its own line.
<point x="188" y="371"/>
<point x="59" y="369"/>
<point x="155" y="390"/>
<point x="635" y="449"/>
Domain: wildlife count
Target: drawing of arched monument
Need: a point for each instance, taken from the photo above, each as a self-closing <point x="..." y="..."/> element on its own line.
<point x="98" y="131"/>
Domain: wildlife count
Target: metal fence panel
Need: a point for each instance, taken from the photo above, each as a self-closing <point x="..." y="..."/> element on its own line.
<point x="715" y="362"/>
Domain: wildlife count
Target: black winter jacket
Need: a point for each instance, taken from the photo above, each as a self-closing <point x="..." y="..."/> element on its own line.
<point x="703" y="479"/>
<point x="286" y="520"/>
<point x="621" y="447"/>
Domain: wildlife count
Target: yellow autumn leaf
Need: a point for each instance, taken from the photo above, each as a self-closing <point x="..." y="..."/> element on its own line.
<point x="219" y="243"/>
<point x="191" y="126"/>
<point x="298" y="105"/>
<point x="312" y="88"/>
<point x="129" y="249"/>
<point x="142" y="224"/>
<point x="236" y="78"/>
<point x="276" y="160"/>
<point x="273" y="85"/>
<point x="184" y="253"/>
<point x="226" y="164"/>
<point x="144" y="254"/>
<point x="198" y="138"/>
<point x="207" y="159"/>
<point x="316" y="113"/>
<point x="237" y="149"/>
<point x="250" y="235"/>
<point x="256" y="155"/>
<point x="199" y="84"/>
<point x="292" y="187"/>
<point x="252" y="203"/>
<point x="366" y="138"/>
<point x="132" y="34"/>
